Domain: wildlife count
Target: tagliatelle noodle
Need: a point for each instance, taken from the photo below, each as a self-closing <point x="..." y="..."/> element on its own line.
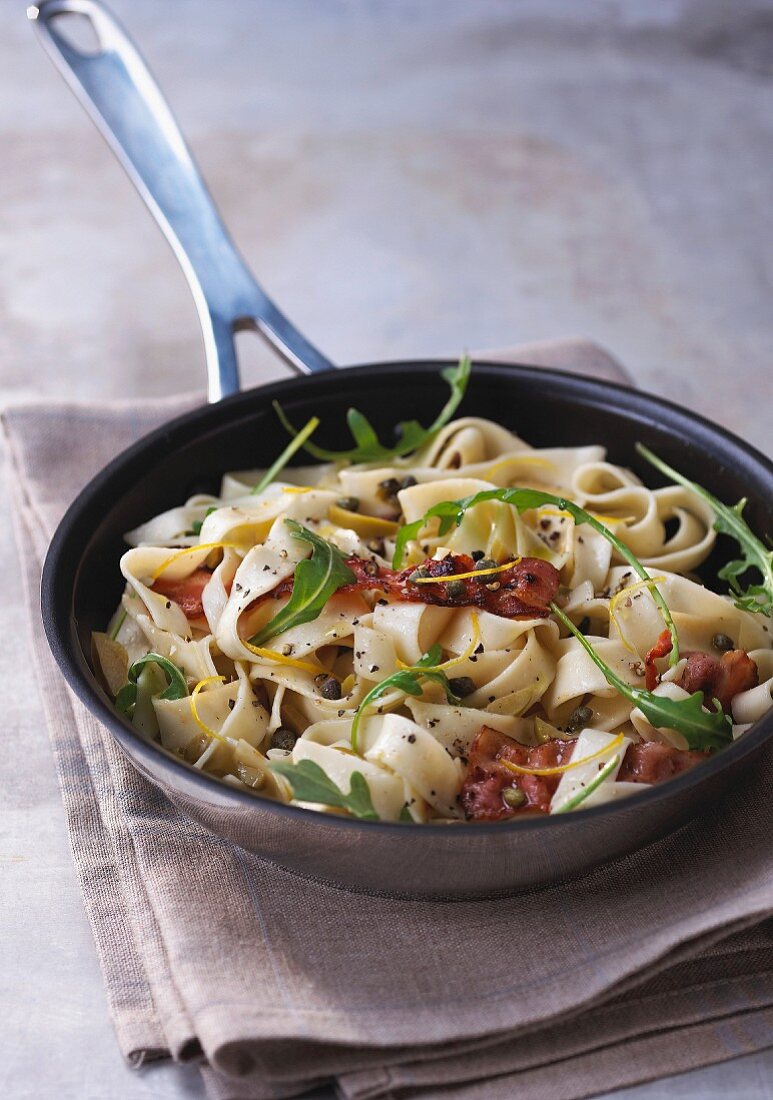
<point x="515" y="673"/>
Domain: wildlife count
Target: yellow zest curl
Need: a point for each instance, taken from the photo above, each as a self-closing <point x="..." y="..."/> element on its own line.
<point x="296" y="489"/>
<point x="615" y="601"/>
<point x="561" y="768"/>
<point x="464" y="576"/>
<point x="195" y="711"/>
<point x="291" y="662"/>
<point x="193" y="550"/>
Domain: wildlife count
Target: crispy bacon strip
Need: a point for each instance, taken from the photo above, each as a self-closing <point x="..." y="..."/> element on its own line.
<point x="661" y="648"/>
<point x="186" y="592"/>
<point x="486" y="779"/>
<point x="525" y="590"/>
<point x="719" y="678"/>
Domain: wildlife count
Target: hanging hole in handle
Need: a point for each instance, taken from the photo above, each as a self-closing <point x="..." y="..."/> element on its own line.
<point x="78" y="31"/>
<point x="258" y="361"/>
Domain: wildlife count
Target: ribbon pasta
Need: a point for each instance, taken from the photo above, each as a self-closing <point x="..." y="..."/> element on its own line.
<point x="204" y="577"/>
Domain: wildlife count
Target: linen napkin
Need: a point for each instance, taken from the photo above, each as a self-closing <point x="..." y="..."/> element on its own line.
<point x="660" y="962"/>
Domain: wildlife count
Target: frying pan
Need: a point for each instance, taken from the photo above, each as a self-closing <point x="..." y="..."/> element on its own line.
<point x="81" y="582"/>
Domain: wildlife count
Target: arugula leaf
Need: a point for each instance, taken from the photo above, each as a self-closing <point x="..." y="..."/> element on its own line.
<point x="294" y="445"/>
<point x="412" y="435"/>
<point x="311" y="784"/>
<point x="197" y="524"/>
<point x="452" y="512"/>
<point x="316" y="579"/>
<point x="176" y="688"/>
<point x="702" y="730"/>
<point x="579" y="797"/>
<point x="730" y="521"/>
<point x="410" y="681"/>
<point x="119" y="620"/>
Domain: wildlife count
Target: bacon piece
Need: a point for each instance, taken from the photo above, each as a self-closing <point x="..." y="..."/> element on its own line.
<point x="524" y="590"/>
<point x="719" y="678"/>
<point x="661" y="648"/>
<point x="653" y="762"/>
<point x="487" y="778"/>
<point x="186" y="592"/>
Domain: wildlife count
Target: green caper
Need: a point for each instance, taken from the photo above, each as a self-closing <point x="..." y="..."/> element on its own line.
<point x="283" y="739"/>
<point x="723" y="642"/>
<point x="330" y="688"/>
<point x="349" y="504"/>
<point x="419" y="574"/>
<point x="389" y="488"/>
<point x="513" y="797"/>
<point x="462" y="686"/>
<point x="455" y="590"/>
<point x="485" y="563"/>
<point x="579" y="719"/>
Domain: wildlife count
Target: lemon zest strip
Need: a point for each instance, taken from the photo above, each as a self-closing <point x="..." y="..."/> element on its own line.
<point x="464" y="576"/>
<point x="296" y="489"/>
<point x="192" y="550"/>
<point x="561" y="768"/>
<point x="195" y="712"/>
<point x="614" y="602"/>
<point x="292" y="662"/>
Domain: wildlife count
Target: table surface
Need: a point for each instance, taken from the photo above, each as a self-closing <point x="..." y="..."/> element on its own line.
<point x="408" y="180"/>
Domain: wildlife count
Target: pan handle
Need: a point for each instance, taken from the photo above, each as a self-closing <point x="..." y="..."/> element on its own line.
<point x="125" y="103"/>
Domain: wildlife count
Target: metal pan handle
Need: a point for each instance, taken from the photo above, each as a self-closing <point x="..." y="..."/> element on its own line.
<point x="125" y="103"/>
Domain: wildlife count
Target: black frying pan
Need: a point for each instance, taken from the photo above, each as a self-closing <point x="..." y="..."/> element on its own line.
<point x="82" y="584"/>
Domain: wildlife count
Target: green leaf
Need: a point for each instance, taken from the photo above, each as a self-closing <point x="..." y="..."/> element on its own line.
<point x="291" y="448"/>
<point x="578" y="798"/>
<point x="176" y="688"/>
<point x="703" y="730"/>
<point x="316" y="579"/>
<point x="197" y="524"/>
<point x="451" y="512"/>
<point x="412" y="435"/>
<point x="119" y="620"/>
<point x="408" y="680"/>
<point x="311" y="784"/>
<point x="729" y="521"/>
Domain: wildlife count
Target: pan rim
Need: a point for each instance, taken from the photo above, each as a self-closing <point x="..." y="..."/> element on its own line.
<point x="86" y="688"/>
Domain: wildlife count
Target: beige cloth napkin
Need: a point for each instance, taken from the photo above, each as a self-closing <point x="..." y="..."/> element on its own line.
<point x="661" y="962"/>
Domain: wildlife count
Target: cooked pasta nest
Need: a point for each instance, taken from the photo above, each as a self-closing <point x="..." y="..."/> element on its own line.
<point x="274" y="712"/>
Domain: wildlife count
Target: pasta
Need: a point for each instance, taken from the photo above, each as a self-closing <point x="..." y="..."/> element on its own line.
<point x="285" y="652"/>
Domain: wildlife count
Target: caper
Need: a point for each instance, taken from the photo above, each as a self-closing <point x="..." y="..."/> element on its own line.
<point x="283" y="738"/>
<point x="462" y="686"/>
<point x="485" y="563"/>
<point x="579" y="719"/>
<point x="455" y="590"/>
<point x="389" y="488"/>
<point x="723" y="642"/>
<point x="330" y="688"/>
<point x="419" y="574"/>
<point x="349" y="504"/>
<point x="513" y="797"/>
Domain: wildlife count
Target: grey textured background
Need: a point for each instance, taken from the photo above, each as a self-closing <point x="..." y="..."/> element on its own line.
<point x="407" y="178"/>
